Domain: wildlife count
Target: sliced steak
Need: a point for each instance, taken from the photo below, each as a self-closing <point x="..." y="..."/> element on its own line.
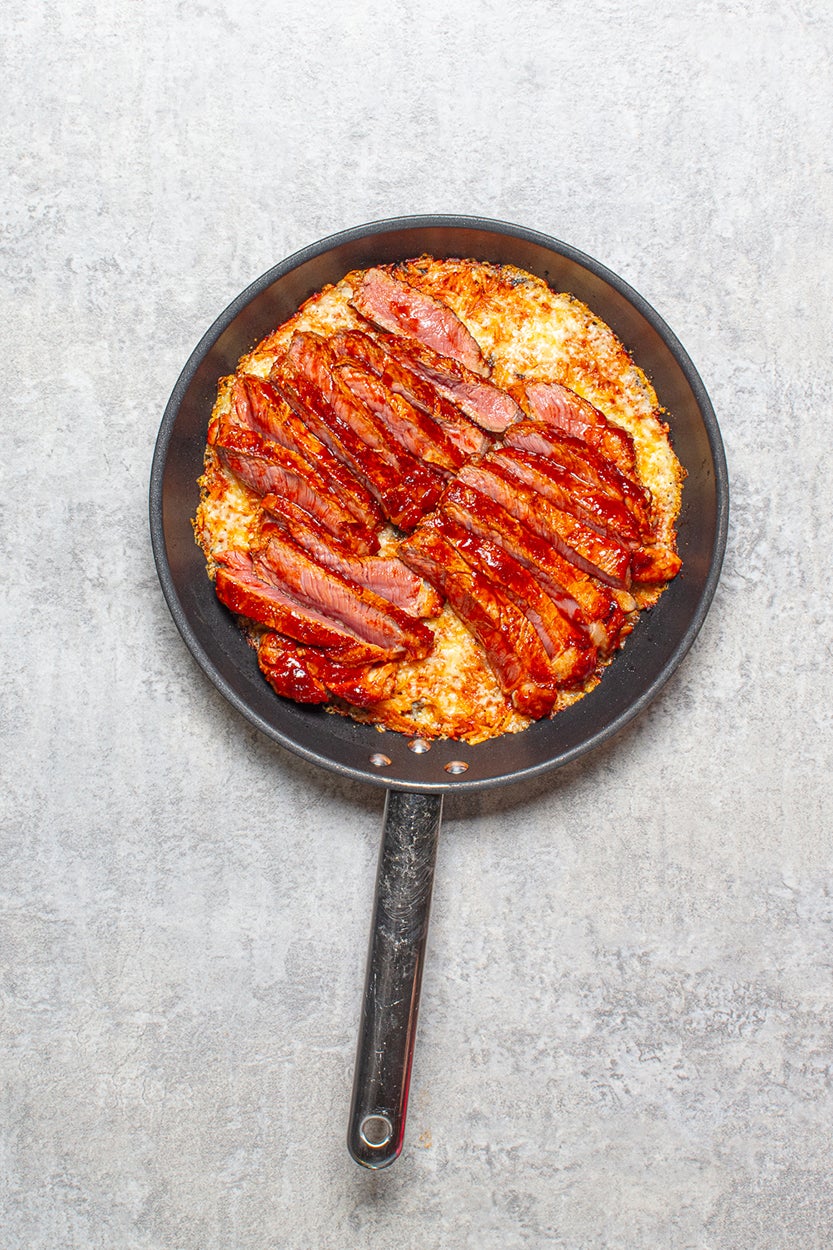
<point x="484" y="403"/>
<point x="258" y="405"/>
<point x="577" y="457"/>
<point x="245" y="593"/>
<point x="557" y="405"/>
<point x="513" y="649"/>
<point x="395" y="305"/>
<point x="655" y="564"/>
<point x="404" y="488"/>
<point x="650" y="563"/>
<point x="585" y="603"/>
<point x="312" y="676"/>
<point x="468" y="438"/>
<point x="268" y="468"/>
<point x="599" y="509"/>
<point x="418" y="433"/>
<point x="572" y="656"/>
<point x="362" y="611"/>
<point x="282" y="664"/>
<point x="600" y="557"/>
<point x="386" y="576"/>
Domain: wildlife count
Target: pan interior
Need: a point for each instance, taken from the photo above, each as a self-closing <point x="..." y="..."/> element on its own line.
<point x="662" y="636"/>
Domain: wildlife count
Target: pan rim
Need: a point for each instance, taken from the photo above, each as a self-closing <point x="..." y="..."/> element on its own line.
<point x="456" y="222"/>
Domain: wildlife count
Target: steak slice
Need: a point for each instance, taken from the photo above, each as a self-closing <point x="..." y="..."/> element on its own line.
<point x="401" y="308"/>
<point x="513" y="649"/>
<point x="311" y="676"/>
<point x="467" y="437"/>
<point x="558" y="406"/>
<point x="245" y="593"/>
<point x="363" y="612"/>
<point x="599" y="509"/>
<point x="655" y="564"/>
<point x="404" y="488"/>
<point x="581" y="459"/>
<point x="415" y="430"/>
<point x="282" y="664"/>
<point x="601" y="557"/>
<point x="258" y="406"/>
<point x="572" y="656"/>
<point x="651" y="563"/>
<point x="484" y="403"/>
<point x="585" y="603"/>
<point x="386" y="576"/>
<point x="268" y="468"/>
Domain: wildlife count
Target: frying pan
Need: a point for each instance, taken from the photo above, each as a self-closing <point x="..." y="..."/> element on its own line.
<point x="415" y="774"/>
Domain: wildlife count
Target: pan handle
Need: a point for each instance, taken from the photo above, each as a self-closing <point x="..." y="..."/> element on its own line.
<point x="404" y="881"/>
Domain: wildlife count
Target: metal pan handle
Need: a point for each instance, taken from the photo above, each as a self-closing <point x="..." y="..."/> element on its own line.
<point x="404" y="882"/>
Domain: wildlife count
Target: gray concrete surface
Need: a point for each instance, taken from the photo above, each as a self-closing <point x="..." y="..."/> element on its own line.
<point x="627" y="1031"/>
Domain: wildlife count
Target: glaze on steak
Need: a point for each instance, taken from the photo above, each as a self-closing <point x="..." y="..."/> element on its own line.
<point x="404" y="309"/>
<point x="404" y="381"/>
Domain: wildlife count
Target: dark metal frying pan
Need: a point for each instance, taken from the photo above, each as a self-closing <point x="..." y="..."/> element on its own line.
<point x="415" y="778"/>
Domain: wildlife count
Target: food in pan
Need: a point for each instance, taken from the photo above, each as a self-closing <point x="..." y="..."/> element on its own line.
<point x="438" y="498"/>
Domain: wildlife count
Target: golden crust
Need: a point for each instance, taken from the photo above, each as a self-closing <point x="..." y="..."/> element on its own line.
<point x="525" y="330"/>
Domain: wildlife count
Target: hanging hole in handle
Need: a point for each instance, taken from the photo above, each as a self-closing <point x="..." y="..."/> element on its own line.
<point x="375" y="1131"/>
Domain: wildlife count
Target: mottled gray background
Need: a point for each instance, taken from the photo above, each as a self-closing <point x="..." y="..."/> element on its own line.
<point x="626" y="1038"/>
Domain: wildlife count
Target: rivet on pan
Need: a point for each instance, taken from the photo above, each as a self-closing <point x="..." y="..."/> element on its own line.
<point x="456" y="766"/>
<point x="419" y="746"/>
<point x="379" y="761"/>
